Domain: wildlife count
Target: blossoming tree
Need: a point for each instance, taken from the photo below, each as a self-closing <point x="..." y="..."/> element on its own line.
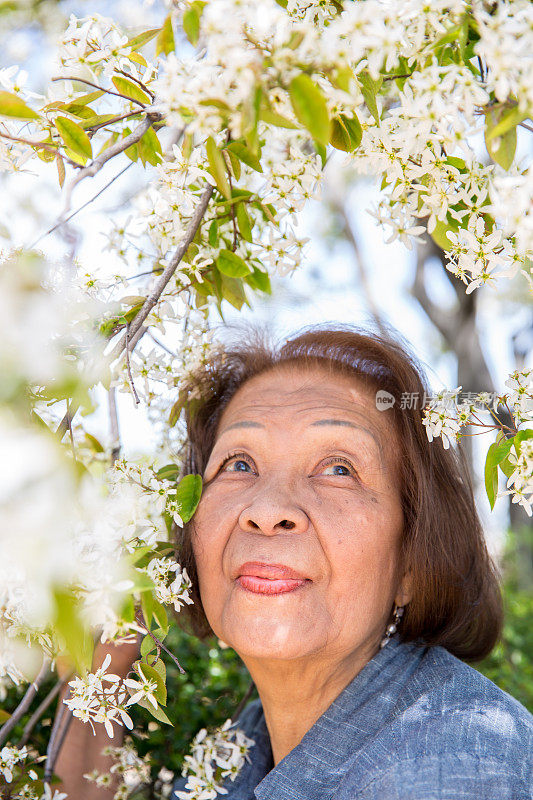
<point x="233" y="107"/>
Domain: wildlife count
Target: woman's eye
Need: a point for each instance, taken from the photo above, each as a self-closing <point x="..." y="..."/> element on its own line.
<point x="236" y="464"/>
<point x="339" y="467"/>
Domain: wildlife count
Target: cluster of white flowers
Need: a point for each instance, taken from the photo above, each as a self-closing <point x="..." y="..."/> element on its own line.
<point x="443" y="416"/>
<point x="9" y="758"/>
<point x="158" y="495"/>
<point x="131" y="770"/>
<point x="520" y="482"/>
<point x="505" y="45"/>
<point x="214" y="758"/>
<point x="92" y="46"/>
<point x="92" y="701"/>
<point x="520" y="398"/>
<point x="172" y="584"/>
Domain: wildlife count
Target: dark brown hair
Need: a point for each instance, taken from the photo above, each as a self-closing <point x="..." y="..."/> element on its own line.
<point x="456" y="600"/>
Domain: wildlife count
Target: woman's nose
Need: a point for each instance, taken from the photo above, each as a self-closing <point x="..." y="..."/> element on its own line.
<point x="272" y="513"/>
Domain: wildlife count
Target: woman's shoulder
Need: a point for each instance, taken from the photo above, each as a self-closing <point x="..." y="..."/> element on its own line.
<point x="445" y="683"/>
<point x="451" y="730"/>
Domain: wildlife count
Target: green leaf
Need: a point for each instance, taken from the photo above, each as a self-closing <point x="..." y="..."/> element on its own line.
<point x="141" y="581"/>
<point x="4" y="716"/>
<point x="143" y="38"/>
<point x="74" y="137"/>
<point x="243" y="222"/>
<point x="310" y="107"/>
<point x="11" y="105"/>
<point x="191" y="22"/>
<point x="232" y="265"/>
<point x="346" y="133"/>
<point x="439" y="234"/>
<point x="212" y="236"/>
<point x="273" y="118"/>
<point x="157" y="713"/>
<point x="152" y="674"/>
<point x="496" y="453"/>
<point x="147" y="646"/>
<point x="500" y="148"/>
<point x="188" y="495"/>
<point x="508" y="119"/>
<point x="76" y="638"/>
<point x="259" y="280"/>
<point x="81" y="100"/>
<point x="169" y="472"/>
<point x="93" y="443"/>
<point x="149" y="148"/>
<point x="60" y="171"/>
<point x="245" y="155"/>
<point x="234" y="163"/>
<point x="130" y="89"/>
<point x="232" y="290"/>
<point x="165" y="38"/>
<point x="96" y="119"/>
<point x="217" y="167"/>
<point x="370" y="89"/>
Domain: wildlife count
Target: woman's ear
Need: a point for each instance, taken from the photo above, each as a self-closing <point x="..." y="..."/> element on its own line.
<point x="404" y="593"/>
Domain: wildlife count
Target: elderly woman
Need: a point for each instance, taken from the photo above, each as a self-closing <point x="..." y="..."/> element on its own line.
<point x="340" y="554"/>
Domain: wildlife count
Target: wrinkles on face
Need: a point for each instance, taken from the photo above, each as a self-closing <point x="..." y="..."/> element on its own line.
<point x="310" y="484"/>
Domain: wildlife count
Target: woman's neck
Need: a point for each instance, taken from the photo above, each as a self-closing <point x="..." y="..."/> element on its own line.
<point x="295" y="694"/>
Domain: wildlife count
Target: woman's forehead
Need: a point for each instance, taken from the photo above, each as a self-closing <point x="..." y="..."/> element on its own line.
<point x="307" y="397"/>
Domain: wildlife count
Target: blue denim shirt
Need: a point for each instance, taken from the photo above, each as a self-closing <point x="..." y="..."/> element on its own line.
<point x="415" y="724"/>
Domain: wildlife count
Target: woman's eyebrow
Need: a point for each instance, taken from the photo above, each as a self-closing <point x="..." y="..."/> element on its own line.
<point x="243" y="424"/>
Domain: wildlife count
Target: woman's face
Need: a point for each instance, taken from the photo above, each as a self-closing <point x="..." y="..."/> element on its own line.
<point x="297" y="534"/>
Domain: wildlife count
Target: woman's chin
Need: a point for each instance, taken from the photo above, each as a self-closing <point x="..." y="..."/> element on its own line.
<point x="266" y="636"/>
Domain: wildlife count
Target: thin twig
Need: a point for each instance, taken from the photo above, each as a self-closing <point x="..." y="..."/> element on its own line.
<point x="65" y="221"/>
<point x="114" y="429"/>
<point x="56" y="739"/>
<point x="163" y="346"/>
<point x="26" y="701"/>
<point x="41" y="708"/>
<point x="159" y="643"/>
<point x="128" y="367"/>
<point x="100" y="89"/>
<point x="167" y="274"/>
<point x="41" y="145"/>
<point x="526" y="126"/>
<point x="98" y="125"/>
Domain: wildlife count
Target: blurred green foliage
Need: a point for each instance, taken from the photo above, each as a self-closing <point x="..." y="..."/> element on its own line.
<point x="510" y="665"/>
<point x="214" y="683"/>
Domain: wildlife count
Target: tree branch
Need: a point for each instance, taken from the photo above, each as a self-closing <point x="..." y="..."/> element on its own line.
<point x="56" y="739"/>
<point x="445" y="322"/>
<point x="113" y="424"/>
<point x="360" y="264"/>
<point x="136" y="324"/>
<point x="41" y="708"/>
<point x="26" y="701"/>
<point x="41" y="145"/>
<point x="92" y="199"/>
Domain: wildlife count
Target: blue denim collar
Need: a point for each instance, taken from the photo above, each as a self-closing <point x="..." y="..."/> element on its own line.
<point x="313" y="769"/>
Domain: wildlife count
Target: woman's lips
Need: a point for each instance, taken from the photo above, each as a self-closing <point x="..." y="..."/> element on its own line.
<point x="270" y="579"/>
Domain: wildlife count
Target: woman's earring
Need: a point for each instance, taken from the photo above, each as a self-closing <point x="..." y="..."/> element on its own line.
<point x="393" y="627"/>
